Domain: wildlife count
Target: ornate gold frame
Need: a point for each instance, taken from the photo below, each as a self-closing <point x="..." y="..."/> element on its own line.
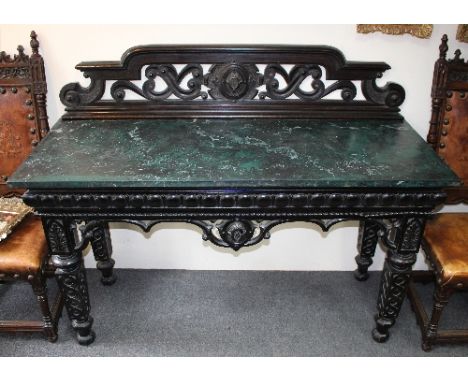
<point x="417" y="30"/>
<point x="462" y="33"/>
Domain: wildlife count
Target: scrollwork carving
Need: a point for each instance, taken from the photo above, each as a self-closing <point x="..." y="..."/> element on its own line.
<point x="296" y="77"/>
<point x="75" y="95"/>
<point x="172" y="79"/>
<point x="391" y="95"/>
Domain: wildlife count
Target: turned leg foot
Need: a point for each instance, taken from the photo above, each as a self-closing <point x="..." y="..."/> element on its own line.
<point x="381" y="332"/>
<point x="360" y="275"/>
<point x="107" y="271"/>
<point x="84" y="334"/>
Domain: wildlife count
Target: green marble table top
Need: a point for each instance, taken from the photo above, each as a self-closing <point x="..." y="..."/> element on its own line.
<point x="232" y="153"/>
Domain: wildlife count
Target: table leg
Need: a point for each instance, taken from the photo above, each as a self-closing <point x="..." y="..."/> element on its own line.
<point x="102" y="249"/>
<point x="403" y="241"/>
<point x="367" y="242"/>
<point x="70" y="273"/>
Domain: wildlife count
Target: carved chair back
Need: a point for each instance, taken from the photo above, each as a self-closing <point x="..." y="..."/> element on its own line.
<point x="23" y="115"/>
<point x="448" y="132"/>
<point x="212" y="81"/>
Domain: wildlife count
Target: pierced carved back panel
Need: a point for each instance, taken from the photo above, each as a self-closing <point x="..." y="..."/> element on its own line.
<point x="23" y="116"/>
<point x="232" y="81"/>
<point x="448" y="132"/>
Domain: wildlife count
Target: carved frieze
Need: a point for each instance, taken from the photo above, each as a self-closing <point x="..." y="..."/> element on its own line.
<point x="234" y="77"/>
<point x="236" y="201"/>
<point x="14" y="72"/>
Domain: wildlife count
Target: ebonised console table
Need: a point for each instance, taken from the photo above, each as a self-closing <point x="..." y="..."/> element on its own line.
<point x="234" y="140"/>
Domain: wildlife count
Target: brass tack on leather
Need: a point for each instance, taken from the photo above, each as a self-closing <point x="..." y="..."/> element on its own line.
<point x="449" y="107"/>
<point x="449" y="94"/>
<point x="16" y="276"/>
<point x="442" y="145"/>
<point x="4" y="177"/>
<point x="34" y="143"/>
<point x="14" y="90"/>
<point x="444" y="132"/>
<point x="30" y="116"/>
<point x="33" y="130"/>
<point x="2" y="91"/>
<point x="30" y="277"/>
<point x="27" y="90"/>
<point x="462" y="94"/>
<point x="29" y="102"/>
<point x="446" y="121"/>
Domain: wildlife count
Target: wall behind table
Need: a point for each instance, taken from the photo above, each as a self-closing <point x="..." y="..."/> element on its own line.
<point x="295" y="246"/>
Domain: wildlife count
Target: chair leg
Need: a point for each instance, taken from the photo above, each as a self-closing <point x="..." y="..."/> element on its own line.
<point x="441" y="297"/>
<point x="40" y="290"/>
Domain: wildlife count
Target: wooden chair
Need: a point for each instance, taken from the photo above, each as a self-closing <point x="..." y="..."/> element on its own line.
<point x="23" y="123"/>
<point x="445" y="241"/>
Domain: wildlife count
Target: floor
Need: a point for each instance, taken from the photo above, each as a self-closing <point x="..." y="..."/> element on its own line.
<point x="229" y="313"/>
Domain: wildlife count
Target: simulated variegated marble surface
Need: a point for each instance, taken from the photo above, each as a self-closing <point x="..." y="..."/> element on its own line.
<point x="232" y="153"/>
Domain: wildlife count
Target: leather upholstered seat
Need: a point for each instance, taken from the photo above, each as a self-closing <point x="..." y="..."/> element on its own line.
<point x="446" y="237"/>
<point x="25" y="250"/>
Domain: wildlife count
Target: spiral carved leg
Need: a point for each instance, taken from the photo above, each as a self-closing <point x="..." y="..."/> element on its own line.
<point x="71" y="276"/>
<point x="403" y="238"/>
<point x="367" y="242"/>
<point x="395" y="278"/>
<point x="102" y="249"/>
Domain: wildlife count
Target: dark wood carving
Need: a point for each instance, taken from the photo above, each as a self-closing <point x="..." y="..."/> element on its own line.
<point x="234" y="85"/>
<point x="234" y="81"/>
<point x="24" y="122"/>
<point x="294" y="202"/>
<point x="448" y="132"/>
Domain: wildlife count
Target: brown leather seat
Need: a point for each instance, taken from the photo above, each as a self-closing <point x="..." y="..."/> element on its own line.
<point x="24" y="251"/>
<point x="447" y="237"/>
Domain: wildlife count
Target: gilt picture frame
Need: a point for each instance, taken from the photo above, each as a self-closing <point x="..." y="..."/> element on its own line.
<point x="417" y="30"/>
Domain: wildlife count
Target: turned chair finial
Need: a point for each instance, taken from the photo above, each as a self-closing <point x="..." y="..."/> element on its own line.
<point x="443" y="47"/>
<point x="34" y="43"/>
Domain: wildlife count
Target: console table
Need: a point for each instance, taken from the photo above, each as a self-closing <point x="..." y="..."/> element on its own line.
<point x="235" y="140"/>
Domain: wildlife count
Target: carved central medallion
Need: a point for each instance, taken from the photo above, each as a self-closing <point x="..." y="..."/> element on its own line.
<point x="233" y="81"/>
<point x="237" y="233"/>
